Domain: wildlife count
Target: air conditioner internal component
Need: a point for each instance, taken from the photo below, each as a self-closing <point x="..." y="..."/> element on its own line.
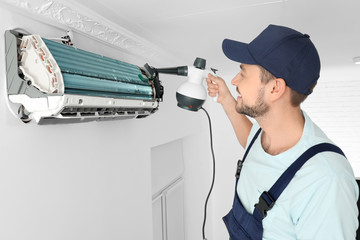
<point x="52" y="82"/>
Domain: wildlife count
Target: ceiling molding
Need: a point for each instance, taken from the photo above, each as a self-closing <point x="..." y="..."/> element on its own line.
<point x="100" y="29"/>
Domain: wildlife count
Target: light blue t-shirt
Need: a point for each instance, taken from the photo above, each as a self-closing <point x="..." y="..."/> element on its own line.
<point x="319" y="202"/>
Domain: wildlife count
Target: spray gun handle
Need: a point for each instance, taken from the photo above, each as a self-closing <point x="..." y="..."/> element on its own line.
<point x="213" y="72"/>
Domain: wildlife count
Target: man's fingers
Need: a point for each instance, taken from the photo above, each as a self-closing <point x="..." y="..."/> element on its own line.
<point x="211" y="94"/>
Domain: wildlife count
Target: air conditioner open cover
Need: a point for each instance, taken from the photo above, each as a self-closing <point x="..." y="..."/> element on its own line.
<point x="56" y="83"/>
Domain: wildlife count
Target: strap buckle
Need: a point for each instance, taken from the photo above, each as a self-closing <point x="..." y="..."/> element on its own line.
<point x="266" y="202"/>
<point x="238" y="168"/>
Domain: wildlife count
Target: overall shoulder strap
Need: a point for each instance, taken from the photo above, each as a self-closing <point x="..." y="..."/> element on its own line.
<point x="251" y="143"/>
<point x="267" y="199"/>
<point x="240" y="162"/>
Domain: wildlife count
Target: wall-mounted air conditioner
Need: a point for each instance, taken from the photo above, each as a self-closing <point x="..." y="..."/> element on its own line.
<point x="52" y="82"/>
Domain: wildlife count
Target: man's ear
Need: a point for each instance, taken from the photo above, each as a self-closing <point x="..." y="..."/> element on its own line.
<point x="278" y="87"/>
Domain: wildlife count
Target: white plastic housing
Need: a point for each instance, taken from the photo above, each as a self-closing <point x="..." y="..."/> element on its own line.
<point x="39" y="66"/>
<point x="82" y="106"/>
<point x="193" y="87"/>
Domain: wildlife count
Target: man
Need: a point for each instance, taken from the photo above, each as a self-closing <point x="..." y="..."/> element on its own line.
<point x="317" y="200"/>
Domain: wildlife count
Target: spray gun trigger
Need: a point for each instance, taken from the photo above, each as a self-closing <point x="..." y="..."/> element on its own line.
<point x="214" y="70"/>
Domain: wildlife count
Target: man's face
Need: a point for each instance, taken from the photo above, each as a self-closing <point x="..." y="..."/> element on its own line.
<point x="250" y="100"/>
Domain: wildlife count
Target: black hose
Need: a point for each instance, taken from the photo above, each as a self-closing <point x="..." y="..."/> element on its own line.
<point x="213" y="177"/>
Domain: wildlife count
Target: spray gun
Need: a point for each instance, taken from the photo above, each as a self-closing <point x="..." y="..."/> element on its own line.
<point x="190" y="95"/>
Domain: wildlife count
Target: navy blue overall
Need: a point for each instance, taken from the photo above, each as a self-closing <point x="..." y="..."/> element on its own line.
<point x="245" y="226"/>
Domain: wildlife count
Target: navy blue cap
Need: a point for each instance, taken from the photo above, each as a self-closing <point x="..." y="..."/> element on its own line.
<point x="282" y="51"/>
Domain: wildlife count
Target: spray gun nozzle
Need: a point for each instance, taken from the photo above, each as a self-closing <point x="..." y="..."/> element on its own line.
<point x="181" y="71"/>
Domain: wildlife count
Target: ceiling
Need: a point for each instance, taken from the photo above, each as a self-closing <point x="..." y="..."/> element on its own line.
<point x="188" y="29"/>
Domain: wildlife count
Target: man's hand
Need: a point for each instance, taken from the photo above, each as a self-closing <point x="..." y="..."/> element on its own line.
<point x="218" y="87"/>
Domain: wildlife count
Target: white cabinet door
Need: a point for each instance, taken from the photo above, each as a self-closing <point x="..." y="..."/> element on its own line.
<point x="158" y="216"/>
<point x="174" y="201"/>
<point x="167" y="165"/>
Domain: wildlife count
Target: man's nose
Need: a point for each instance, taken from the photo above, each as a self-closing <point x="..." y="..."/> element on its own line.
<point x="235" y="80"/>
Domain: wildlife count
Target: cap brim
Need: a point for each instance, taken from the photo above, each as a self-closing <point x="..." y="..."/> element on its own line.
<point x="237" y="51"/>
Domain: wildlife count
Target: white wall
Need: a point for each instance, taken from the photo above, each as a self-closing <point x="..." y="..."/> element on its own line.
<point x="335" y="107"/>
<point x="197" y="181"/>
<point x="81" y="181"/>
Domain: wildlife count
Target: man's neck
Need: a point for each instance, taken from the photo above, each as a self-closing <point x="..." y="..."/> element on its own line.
<point x="281" y="130"/>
